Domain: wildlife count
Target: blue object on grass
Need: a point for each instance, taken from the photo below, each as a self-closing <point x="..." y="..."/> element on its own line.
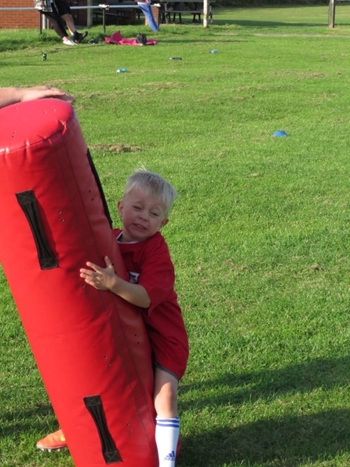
<point x="147" y="11"/>
<point x="280" y="133"/>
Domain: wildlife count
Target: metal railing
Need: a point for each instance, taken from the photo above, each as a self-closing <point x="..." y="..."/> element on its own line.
<point x="102" y="6"/>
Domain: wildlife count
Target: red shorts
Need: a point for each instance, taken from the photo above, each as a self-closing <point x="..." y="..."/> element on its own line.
<point x="170" y="355"/>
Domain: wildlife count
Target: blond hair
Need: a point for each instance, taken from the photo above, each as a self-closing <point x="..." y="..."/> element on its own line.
<point x="155" y="185"/>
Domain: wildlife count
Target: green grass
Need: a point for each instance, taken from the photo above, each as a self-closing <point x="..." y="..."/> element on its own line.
<point x="259" y="236"/>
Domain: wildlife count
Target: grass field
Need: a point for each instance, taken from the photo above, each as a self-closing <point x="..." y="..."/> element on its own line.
<point x="259" y="235"/>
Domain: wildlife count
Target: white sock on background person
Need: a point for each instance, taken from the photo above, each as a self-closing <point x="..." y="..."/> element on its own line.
<point x="167" y="436"/>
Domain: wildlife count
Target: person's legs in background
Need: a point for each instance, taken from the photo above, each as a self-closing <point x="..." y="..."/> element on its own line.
<point x="64" y="11"/>
<point x="58" y="26"/>
<point x="76" y="35"/>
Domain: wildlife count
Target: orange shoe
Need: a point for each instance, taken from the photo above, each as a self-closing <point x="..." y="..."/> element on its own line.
<point x="52" y="442"/>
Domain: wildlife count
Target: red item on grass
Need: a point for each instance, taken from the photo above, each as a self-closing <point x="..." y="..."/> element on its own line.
<point x="117" y="39"/>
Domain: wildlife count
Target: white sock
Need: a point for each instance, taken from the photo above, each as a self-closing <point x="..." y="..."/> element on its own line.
<point x="167" y="435"/>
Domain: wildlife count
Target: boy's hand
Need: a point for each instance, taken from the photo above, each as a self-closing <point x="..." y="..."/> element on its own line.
<point x="106" y="279"/>
<point x="40" y="92"/>
<point x="100" y="278"/>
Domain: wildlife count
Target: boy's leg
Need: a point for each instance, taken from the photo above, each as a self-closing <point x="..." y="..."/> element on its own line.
<point x="167" y="421"/>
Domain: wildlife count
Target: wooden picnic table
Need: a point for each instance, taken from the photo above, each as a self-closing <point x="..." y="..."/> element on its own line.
<point x="119" y="12"/>
<point x="173" y="8"/>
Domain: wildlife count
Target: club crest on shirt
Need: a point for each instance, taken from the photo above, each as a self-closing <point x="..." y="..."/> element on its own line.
<point x="133" y="277"/>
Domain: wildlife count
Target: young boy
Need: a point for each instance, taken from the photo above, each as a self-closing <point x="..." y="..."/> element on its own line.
<point x="144" y="210"/>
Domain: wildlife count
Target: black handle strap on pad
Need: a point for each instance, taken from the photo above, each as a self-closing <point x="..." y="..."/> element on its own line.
<point x="109" y="450"/>
<point x="28" y="203"/>
<point x="100" y="189"/>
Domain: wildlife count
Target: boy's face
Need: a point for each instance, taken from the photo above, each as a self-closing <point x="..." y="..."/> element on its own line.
<point x="142" y="214"/>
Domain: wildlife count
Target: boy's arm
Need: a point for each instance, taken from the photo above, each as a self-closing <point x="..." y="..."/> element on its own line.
<point x="132" y="293"/>
<point x="106" y="279"/>
<point x="14" y="95"/>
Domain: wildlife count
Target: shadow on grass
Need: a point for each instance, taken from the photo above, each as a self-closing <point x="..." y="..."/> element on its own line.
<point x="249" y="23"/>
<point x="265" y="24"/>
<point x="14" y="422"/>
<point x="219" y="21"/>
<point x="177" y="39"/>
<point x="11" y="45"/>
<point x="287" y="441"/>
<point x="280" y="441"/>
<point x="302" y="378"/>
